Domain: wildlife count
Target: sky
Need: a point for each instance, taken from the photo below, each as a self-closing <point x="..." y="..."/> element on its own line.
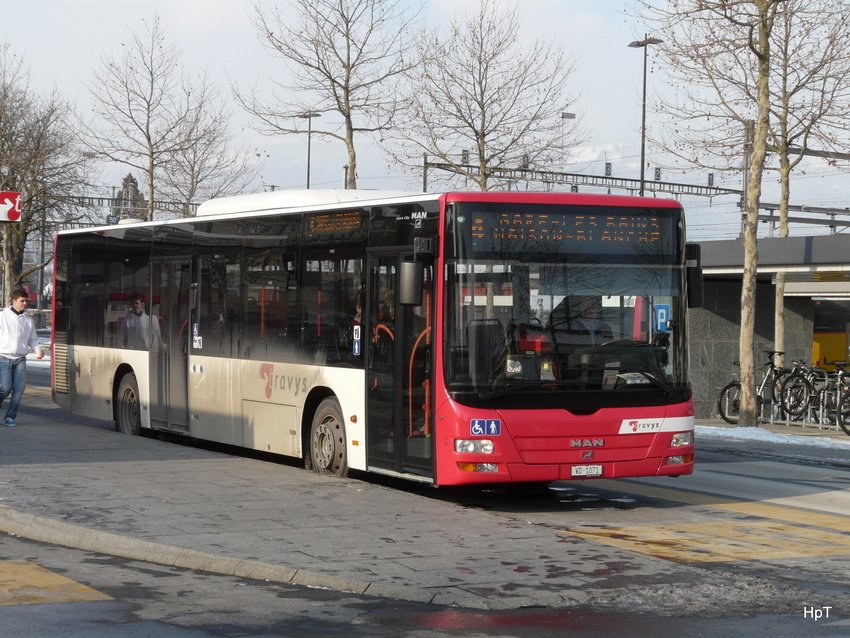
<point x="63" y="44"/>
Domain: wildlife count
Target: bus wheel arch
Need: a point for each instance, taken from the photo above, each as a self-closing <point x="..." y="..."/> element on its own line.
<point x="127" y="405"/>
<point x="325" y="442"/>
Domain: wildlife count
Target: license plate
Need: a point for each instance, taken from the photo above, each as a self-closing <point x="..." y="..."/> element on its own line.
<point x="586" y="470"/>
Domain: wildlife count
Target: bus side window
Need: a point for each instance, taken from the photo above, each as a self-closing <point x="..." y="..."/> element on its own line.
<point x="219" y="324"/>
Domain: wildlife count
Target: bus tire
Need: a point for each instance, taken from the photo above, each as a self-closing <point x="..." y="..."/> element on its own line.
<point x="327" y="440"/>
<point x="128" y="417"/>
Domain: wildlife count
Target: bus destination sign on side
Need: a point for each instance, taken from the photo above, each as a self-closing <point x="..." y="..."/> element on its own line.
<point x="334" y="223"/>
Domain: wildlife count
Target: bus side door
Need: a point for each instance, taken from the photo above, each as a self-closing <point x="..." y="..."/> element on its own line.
<point x="398" y="340"/>
<point x="170" y="291"/>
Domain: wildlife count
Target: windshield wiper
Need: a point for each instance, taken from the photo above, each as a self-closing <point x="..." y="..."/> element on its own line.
<point x="661" y="384"/>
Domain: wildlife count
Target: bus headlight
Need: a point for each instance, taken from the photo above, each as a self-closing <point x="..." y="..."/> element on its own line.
<point x="473" y="446"/>
<point x="682" y="438"/>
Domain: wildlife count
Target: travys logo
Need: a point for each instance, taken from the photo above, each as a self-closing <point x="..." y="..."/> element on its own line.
<point x="286" y="382"/>
<point x="640" y="426"/>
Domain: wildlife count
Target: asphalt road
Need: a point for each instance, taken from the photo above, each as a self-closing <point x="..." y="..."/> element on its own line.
<point x="756" y="542"/>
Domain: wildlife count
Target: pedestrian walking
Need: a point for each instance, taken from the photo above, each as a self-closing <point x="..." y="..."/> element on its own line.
<point x="17" y="339"/>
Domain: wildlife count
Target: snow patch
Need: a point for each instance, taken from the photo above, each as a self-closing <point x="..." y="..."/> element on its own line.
<point x="766" y="436"/>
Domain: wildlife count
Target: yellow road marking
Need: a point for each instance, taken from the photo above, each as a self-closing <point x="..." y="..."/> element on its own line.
<point x="722" y="541"/>
<point x="769" y="532"/>
<point x="790" y="514"/>
<point x="755" y="508"/>
<point x="23" y="583"/>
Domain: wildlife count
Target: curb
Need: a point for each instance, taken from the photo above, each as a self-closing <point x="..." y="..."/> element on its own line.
<point x="47" y="530"/>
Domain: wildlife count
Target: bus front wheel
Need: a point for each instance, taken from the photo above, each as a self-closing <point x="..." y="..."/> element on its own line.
<point x="127" y="416"/>
<point x="327" y="440"/>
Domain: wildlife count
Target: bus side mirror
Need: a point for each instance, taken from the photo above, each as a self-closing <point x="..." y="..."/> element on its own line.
<point x="693" y="266"/>
<point x="410" y="283"/>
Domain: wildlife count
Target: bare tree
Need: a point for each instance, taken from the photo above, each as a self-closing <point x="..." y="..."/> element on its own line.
<point x="208" y="165"/>
<point x="39" y="158"/>
<point x="346" y="57"/>
<point x="810" y="78"/>
<point x="486" y="100"/>
<point x="719" y="55"/>
<point x="142" y="107"/>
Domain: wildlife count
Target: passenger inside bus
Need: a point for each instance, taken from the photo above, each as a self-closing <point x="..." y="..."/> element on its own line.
<point x="137" y="331"/>
<point x="579" y="320"/>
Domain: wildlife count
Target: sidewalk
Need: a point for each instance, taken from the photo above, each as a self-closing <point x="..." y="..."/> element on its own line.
<point x="85" y="486"/>
<point x="799" y="443"/>
<point x="88" y="487"/>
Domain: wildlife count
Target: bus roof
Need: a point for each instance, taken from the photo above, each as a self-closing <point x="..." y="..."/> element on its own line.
<point x="307" y="200"/>
<point x="576" y="199"/>
<point x="274" y="200"/>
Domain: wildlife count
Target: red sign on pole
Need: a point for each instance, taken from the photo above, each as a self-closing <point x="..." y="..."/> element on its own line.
<point x="10" y="206"/>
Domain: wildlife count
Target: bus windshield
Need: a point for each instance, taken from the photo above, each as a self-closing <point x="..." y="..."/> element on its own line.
<point x="541" y="301"/>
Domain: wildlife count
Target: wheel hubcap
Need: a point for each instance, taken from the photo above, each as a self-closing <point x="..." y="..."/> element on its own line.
<point x="325" y="444"/>
<point x="129" y="403"/>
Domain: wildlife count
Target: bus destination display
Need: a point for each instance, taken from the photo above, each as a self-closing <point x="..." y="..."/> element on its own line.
<point x="580" y="232"/>
<point x="338" y="223"/>
<point x="344" y="225"/>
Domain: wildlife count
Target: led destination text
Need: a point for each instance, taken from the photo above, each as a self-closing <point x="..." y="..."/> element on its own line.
<point x="568" y="231"/>
<point x="559" y="228"/>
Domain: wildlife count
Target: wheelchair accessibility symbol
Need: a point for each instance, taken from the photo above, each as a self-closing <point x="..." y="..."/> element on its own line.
<point x="485" y="427"/>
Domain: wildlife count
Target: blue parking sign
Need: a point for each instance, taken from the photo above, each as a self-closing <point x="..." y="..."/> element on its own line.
<point x="662" y="316"/>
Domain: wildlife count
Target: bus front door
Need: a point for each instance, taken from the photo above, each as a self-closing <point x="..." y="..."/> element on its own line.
<point x="397" y="339"/>
<point x="170" y="306"/>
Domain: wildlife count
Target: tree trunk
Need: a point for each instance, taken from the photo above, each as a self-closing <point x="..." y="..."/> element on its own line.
<point x="351" y="176"/>
<point x="779" y="319"/>
<point x="749" y="406"/>
<point x="779" y="305"/>
<point x="150" y="176"/>
<point x="351" y="151"/>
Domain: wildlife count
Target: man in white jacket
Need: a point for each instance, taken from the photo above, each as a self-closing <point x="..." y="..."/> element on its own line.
<point x="17" y="339"/>
<point x="137" y="328"/>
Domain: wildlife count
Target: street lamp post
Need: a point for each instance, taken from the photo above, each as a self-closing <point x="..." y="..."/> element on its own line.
<point x="309" y="115"/>
<point x="643" y="44"/>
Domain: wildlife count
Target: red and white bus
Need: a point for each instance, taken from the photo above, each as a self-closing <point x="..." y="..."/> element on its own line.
<point x="449" y="338"/>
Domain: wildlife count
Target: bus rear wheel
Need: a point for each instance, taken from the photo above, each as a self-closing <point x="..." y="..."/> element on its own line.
<point x="327" y="440"/>
<point x="127" y="415"/>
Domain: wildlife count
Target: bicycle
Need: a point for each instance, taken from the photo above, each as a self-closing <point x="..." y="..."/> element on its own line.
<point x="831" y="397"/>
<point x="729" y="400"/>
<point x="840" y="399"/>
<point x="801" y="392"/>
